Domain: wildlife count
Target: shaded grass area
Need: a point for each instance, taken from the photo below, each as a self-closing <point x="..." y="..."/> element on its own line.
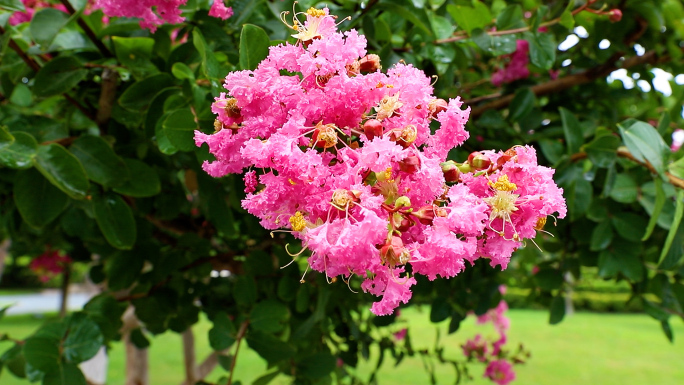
<point x="587" y="348"/>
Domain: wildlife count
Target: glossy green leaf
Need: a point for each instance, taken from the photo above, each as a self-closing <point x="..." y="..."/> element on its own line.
<point x="601" y="236"/>
<point x="65" y="374"/>
<point x="12" y="5"/>
<point x="679" y="211"/>
<point x="245" y="291"/>
<point x="179" y="128"/>
<point x="573" y="131"/>
<point x="210" y="65"/>
<point x="579" y="197"/>
<point x="469" y="18"/>
<point x="406" y="14"/>
<point x="316" y="365"/>
<point x="20" y="153"/>
<point x="549" y="279"/>
<point x="440" y="309"/>
<point x="557" y="310"/>
<point x="45" y="25"/>
<point x="442" y="27"/>
<point x="602" y="151"/>
<point x="624" y="189"/>
<point x="6" y="138"/>
<point x="63" y="170"/>
<point x="100" y="161"/>
<point x="494" y="45"/>
<point x="83" y="339"/>
<point x="629" y="226"/>
<point x="39" y="201"/>
<point x="223" y="334"/>
<point x="42" y="353"/>
<point x="510" y="18"/>
<point x="269" y="347"/>
<point x="115" y="220"/>
<point x="644" y="142"/>
<point x="567" y="20"/>
<point x="269" y="316"/>
<point x="657" y="209"/>
<point x="523" y="102"/>
<point x="135" y="53"/>
<point x="139" y="340"/>
<point x="254" y="43"/>
<point x="58" y="76"/>
<point x="182" y="71"/>
<point x="542" y="50"/>
<point x="138" y="96"/>
<point x="143" y="181"/>
<point x="675" y="168"/>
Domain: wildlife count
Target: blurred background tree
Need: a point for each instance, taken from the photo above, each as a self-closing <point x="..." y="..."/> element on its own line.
<point x="100" y="178"/>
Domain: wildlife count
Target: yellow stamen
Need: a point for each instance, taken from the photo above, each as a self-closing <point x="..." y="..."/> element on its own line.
<point x="315" y="12"/>
<point x="503" y="184"/>
<point x="540" y="223"/>
<point x="297" y="221"/>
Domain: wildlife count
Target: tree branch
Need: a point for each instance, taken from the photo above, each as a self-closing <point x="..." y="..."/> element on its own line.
<point x="566" y="82"/>
<point x="240" y="335"/>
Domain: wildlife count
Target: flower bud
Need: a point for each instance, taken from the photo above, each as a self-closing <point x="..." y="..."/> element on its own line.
<point x="436" y="106"/>
<point x="508" y="155"/>
<point x="324" y="136"/>
<point x="451" y="171"/>
<point x="404" y="137"/>
<point x="410" y="164"/>
<point x="394" y="253"/>
<point x="369" y="63"/>
<point x="479" y="161"/>
<point x="615" y="15"/>
<point x="426" y="214"/>
<point x="372" y="128"/>
<point x="402" y="201"/>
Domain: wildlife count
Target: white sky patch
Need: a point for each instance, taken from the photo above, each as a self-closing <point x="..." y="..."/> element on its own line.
<point x="679" y="79"/>
<point x="644" y="85"/>
<point x="621" y="75"/>
<point x="581" y="32"/>
<point x="661" y="81"/>
<point x="639" y="49"/>
<point x="604" y="44"/>
<point x="636" y="75"/>
<point x="569" y="42"/>
<point x="566" y="62"/>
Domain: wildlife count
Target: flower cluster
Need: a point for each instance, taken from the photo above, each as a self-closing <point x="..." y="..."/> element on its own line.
<point x="352" y="161"/>
<point x="31" y="6"/>
<point x="516" y="68"/>
<point x="156" y="12"/>
<point x="499" y="367"/>
<point x="49" y="264"/>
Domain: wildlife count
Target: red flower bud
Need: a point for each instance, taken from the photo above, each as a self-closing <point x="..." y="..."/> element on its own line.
<point x="451" y="171"/>
<point x="615" y="15"/>
<point x="436" y="106"/>
<point x="426" y="214"/>
<point x="479" y="161"/>
<point x="394" y="253"/>
<point x="410" y="164"/>
<point x="369" y="63"/>
<point x="372" y="128"/>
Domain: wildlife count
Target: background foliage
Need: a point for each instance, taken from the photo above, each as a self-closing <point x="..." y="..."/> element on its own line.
<point x="97" y="159"/>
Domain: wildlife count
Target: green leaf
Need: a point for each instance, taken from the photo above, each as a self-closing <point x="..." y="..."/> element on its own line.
<point x="63" y="170"/>
<point x="658" y="208"/>
<point x="494" y="45"/>
<point x="65" y="374"/>
<point x="624" y="189"/>
<point x="58" y="76"/>
<point x="567" y="20"/>
<point x="542" y="50"/>
<point x="135" y="54"/>
<point x="254" y="43"/>
<point x="557" y="310"/>
<point x="579" y="196"/>
<point x="138" y="96"/>
<point x="522" y="104"/>
<point x="182" y="71"/>
<point x="601" y="237"/>
<point x="223" y="334"/>
<point x="245" y="292"/>
<point x="266" y="378"/>
<point x="679" y="210"/>
<point x="549" y="279"/>
<point x="269" y="347"/>
<point x="20" y="153"/>
<point x="510" y="18"/>
<point x="45" y="25"/>
<point x="83" y="339"/>
<point x="12" y="5"/>
<point x="107" y="312"/>
<point x="269" y="316"/>
<point x="440" y="310"/>
<point x="210" y="65"/>
<point x="405" y="13"/>
<point x="143" y="182"/>
<point x="608" y="264"/>
<point x="629" y="226"/>
<point x="6" y="138"/>
<point x="316" y="365"/>
<point x="124" y="268"/>
<point x="470" y="18"/>
<point x="100" y="161"/>
<point x="455" y="323"/>
<point x="39" y="202"/>
<point x="442" y="26"/>
<point x="602" y="151"/>
<point x="139" y="339"/>
<point x="644" y="142"/>
<point x="675" y="168"/>
<point x="179" y="128"/>
<point x="667" y="329"/>
<point x="573" y="131"/>
<point x="42" y="353"/>
<point x="115" y="220"/>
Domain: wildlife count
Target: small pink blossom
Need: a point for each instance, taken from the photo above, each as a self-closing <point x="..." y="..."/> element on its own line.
<point x="500" y="372"/>
<point x="677" y="139"/>
<point x="476" y="348"/>
<point x="401" y="334"/>
<point x="250" y="181"/>
<point x="219" y="10"/>
<point x="516" y="68"/>
<point x="49" y="264"/>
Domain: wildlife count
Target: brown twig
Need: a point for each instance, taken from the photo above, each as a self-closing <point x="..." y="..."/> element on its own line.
<point x="107" y="98"/>
<point x="15" y="47"/>
<point x="88" y="31"/>
<point x="566" y="82"/>
<point x="240" y="335"/>
<point x="624" y="153"/>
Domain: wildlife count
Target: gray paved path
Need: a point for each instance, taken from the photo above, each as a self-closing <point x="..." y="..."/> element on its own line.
<point x="41" y="302"/>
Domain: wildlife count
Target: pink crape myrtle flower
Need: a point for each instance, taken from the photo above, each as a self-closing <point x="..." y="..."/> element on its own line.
<point x="476" y="348"/>
<point x="516" y="68"/>
<point x="31" y="6"/>
<point x="152" y="12"/>
<point x="219" y="10"/>
<point x="401" y="334"/>
<point x="345" y="160"/>
<point x="49" y="264"/>
<point x="500" y="371"/>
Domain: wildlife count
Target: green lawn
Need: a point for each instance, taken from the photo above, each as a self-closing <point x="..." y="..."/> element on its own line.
<point x="587" y="348"/>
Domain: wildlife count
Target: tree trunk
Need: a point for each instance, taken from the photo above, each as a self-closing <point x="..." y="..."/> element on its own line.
<point x="137" y="368"/>
<point x="189" y="357"/>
